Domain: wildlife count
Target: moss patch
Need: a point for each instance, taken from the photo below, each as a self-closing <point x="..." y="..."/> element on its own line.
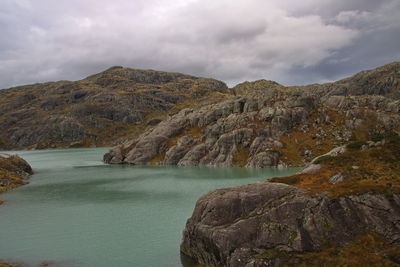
<point x="372" y="170"/>
<point x="366" y="250"/>
<point x="356" y="145"/>
<point x="157" y="159"/>
<point x="296" y="141"/>
<point x="240" y="157"/>
<point x="4" y="264"/>
<point x="9" y="173"/>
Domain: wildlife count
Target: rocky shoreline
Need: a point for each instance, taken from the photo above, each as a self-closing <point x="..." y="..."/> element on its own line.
<point x="307" y="218"/>
<point x="266" y="124"/>
<point x="14" y="172"/>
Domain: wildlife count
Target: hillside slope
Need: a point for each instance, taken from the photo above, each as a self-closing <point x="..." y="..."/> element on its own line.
<point x="99" y="109"/>
<point x="267" y="124"/>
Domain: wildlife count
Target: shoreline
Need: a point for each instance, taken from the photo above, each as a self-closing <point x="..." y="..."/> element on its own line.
<point x="14" y="172"/>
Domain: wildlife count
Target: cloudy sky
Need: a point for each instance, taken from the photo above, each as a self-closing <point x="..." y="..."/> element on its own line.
<point x="289" y="41"/>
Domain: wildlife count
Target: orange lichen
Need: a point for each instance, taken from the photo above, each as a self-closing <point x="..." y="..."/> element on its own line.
<point x="296" y="142"/>
<point x="372" y="170"/>
<point x="157" y="159"/>
<point x="240" y="157"/>
<point x="366" y="250"/>
<point x="9" y="177"/>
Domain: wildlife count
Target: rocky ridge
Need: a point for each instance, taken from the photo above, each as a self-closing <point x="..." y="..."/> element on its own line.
<point x="14" y="172"/>
<point x="98" y="110"/>
<point x="308" y="219"/>
<point x="268" y="125"/>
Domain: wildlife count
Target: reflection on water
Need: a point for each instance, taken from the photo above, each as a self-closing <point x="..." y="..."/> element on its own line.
<point x="78" y="211"/>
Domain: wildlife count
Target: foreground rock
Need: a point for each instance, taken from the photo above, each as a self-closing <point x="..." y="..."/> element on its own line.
<point x="305" y="219"/>
<point x="230" y="226"/>
<point x="269" y="125"/>
<point x="14" y="172"/>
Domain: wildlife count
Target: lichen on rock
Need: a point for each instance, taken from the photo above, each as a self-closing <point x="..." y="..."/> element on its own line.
<point x="305" y="218"/>
<point x="14" y="172"/>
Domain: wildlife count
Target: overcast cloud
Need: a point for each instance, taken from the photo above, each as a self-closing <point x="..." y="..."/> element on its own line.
<point x="289" y="41"/>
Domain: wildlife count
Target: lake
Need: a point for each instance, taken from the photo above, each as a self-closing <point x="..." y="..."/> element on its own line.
<point x="77" y="211"/>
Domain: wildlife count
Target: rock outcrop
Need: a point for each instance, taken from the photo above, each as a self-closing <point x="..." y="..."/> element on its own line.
<point x="14" y="172"/>
<point x="230" y="226"/>
<point x="99" y="109"/>
<point x="300" y="219"/>
<point x="268" y="125"/>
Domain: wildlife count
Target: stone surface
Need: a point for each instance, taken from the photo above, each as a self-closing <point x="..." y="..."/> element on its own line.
<point x="229" y="226"/>
<point x="14" y="172"/>
<point x="337" y="178"/>
<point x="268" y="125"/>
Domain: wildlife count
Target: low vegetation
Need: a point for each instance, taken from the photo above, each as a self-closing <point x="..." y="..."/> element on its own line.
<point x="13" y="172"/>
<point x="373" y="170"/>
<point x="241" y="156"/>
<point x="366" y="250"/>
<point x="376" y="170"/>
<point x="298" y="141"/>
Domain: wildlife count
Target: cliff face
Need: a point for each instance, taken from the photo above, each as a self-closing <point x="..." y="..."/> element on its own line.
<point x="312" y="218"/>
<point x="97" y="110"/>
<point x="14" y="172"/>
<point x="266" y="124"/>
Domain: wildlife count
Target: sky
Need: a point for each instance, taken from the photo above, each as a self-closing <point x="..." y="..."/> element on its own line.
<point x="289" y="41"/>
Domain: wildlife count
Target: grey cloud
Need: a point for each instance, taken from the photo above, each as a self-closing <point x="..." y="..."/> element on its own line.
<point x="288" y="41"/>
<point x="328" y="9"/>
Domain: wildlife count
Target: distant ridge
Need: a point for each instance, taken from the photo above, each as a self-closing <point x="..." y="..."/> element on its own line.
<point x="97" y="110"/>
<point x="121" y="103"/>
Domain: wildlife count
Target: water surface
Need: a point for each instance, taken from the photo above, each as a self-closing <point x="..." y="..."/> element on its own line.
<point x="77" y="211"/>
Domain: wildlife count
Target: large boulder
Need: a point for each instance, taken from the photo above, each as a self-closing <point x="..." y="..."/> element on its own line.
<point x="229" y="227"/>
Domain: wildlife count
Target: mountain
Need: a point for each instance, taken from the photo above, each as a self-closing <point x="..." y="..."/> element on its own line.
<point x="98" y="110"/>
<point x="265" y="124"/>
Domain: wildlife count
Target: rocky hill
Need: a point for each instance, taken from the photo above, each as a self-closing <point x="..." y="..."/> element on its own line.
<point x="99" y="109"/>
<point x="14" y="172"/>
<point x="343" y="210"/>
<point x="266" y="124"/>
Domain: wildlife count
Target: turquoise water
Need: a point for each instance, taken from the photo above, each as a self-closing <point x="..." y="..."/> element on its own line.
<point x="77" y="211"/>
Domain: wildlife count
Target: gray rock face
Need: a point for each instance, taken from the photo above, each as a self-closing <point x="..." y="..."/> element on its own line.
<point x="226" y="129"/>
<point x="337" y="178"/>
<point x="146" y="149"/>
<point x="193" y="156"/>
<point x="248" y="129"/>
<point x="264" y="159"/>
<point x="176" y="153"/>
<point x="229" y="226"/>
